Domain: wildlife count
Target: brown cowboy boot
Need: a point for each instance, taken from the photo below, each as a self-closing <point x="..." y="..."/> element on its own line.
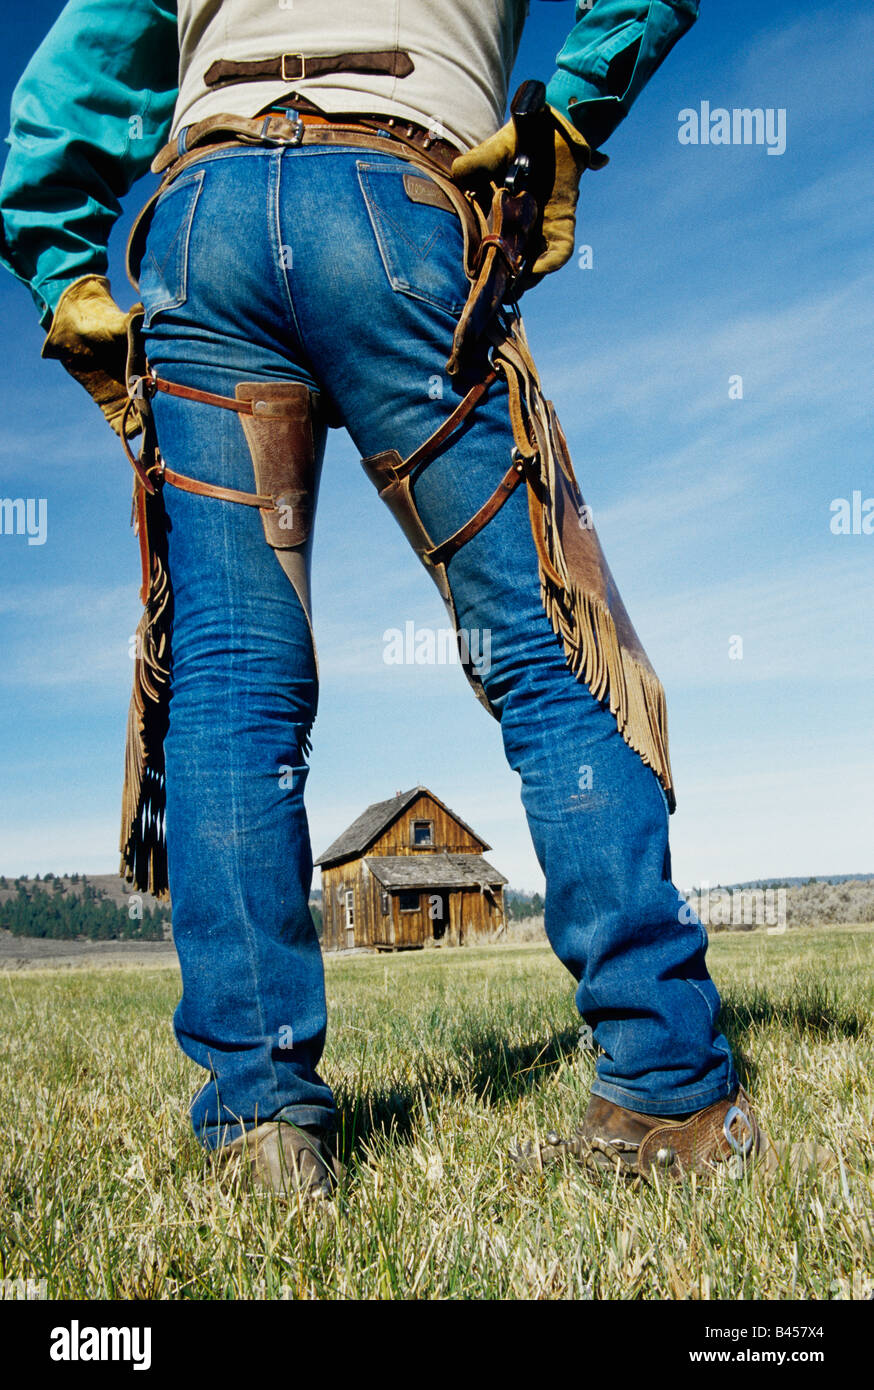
<point x="634" y="1144"/>
<point x="285" y="1159"/>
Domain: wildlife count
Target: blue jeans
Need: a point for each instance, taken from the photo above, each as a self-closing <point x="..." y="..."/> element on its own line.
<point x="312" y="264"/>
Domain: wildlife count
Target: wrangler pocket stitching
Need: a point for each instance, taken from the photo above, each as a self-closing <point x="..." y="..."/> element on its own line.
<point x="393" y="239"/>
<point x="164" y="284"/>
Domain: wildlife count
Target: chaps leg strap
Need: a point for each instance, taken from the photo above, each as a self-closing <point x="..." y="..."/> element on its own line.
<point x="279" y="423"/>
<point x="578" y="592"/>
<point x="277" y="418"/>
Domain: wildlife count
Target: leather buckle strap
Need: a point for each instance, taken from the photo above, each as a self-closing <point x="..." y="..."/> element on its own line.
<point x="295" y="67"/>
<point x="223" y="494"/>
<point x="140" y="388"/>
<point x="189" y="393"/>
<point x="421" y="457"/>
<point x="515" y="262"/>
<point x="426" y="451"/>
<point x="293" y="76"/>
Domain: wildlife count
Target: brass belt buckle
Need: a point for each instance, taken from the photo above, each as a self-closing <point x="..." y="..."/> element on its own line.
<point x="303" y="67"/>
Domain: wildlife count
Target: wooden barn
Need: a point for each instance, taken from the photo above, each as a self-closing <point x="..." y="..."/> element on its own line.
<point x="406" y="872"/>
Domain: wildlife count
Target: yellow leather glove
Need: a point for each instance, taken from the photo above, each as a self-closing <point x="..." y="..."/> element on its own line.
<point x="556" y="171"/>
<point x="89" y="336"/>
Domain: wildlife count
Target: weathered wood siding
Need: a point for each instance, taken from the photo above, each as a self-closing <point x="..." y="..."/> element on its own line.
<point x="448" y="835"/>
<point x="468" y="912"/>
<point x="372" y="927"/>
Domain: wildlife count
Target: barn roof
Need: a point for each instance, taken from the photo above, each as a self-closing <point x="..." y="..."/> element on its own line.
<point x="398" y="871"/>
<point x="356" y="838"/>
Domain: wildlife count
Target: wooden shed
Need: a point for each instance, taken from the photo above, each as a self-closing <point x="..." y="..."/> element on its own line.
<point x="406" y="872"/>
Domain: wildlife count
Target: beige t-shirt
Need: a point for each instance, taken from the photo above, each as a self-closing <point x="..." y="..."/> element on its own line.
<point x="463" y="52"/>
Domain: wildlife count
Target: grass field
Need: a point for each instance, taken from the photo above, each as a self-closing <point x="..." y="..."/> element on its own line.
<point x="439" y="1060"/>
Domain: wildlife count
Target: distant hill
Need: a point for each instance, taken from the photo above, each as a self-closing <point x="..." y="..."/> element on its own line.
<point x="108" y="886"/>
<point x="802" y="882"/>
<point x="104" y="908"/>
<point x="100" y="907"/>
<point x="76" y="906"/>
<point x="793" y="902"/>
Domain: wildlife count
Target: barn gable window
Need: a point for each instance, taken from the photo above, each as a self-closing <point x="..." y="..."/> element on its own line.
<point x="422" y="833"/>
<point x="409" y="902"/>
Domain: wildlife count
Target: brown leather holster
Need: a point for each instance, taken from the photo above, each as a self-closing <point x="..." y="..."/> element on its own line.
<point x="281" y="421"/>
<point x="286" y="461"/>
<point x="285" y="433"/>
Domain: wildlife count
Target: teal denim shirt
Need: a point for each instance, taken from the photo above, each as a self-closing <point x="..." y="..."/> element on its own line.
<point x="96" y="102"/>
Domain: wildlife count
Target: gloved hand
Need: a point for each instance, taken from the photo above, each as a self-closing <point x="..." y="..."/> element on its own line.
<point x="89" y="335"/>
<point x="557" y="167"/>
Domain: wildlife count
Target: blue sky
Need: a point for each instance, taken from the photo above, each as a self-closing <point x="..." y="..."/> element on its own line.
<point x="709" y="262"/>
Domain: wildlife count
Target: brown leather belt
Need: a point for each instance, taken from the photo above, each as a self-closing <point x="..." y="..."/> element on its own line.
<point x="286" y="125"/>
<point x="394" y="127"/>
<point x="297" y="67"/>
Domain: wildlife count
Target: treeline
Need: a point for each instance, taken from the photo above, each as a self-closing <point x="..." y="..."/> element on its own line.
<point x="51" y="911"/>
<point x="519" y="906"/>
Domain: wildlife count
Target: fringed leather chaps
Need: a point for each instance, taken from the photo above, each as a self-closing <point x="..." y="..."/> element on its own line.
<point x="578" y="592"/>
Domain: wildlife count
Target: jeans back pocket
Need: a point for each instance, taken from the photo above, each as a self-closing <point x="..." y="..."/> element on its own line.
<point x="421" y="245"/>
<point x="164" y="270"/>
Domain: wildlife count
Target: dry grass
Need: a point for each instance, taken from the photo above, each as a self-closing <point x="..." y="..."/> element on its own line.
<point x="439" y="1060"/>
